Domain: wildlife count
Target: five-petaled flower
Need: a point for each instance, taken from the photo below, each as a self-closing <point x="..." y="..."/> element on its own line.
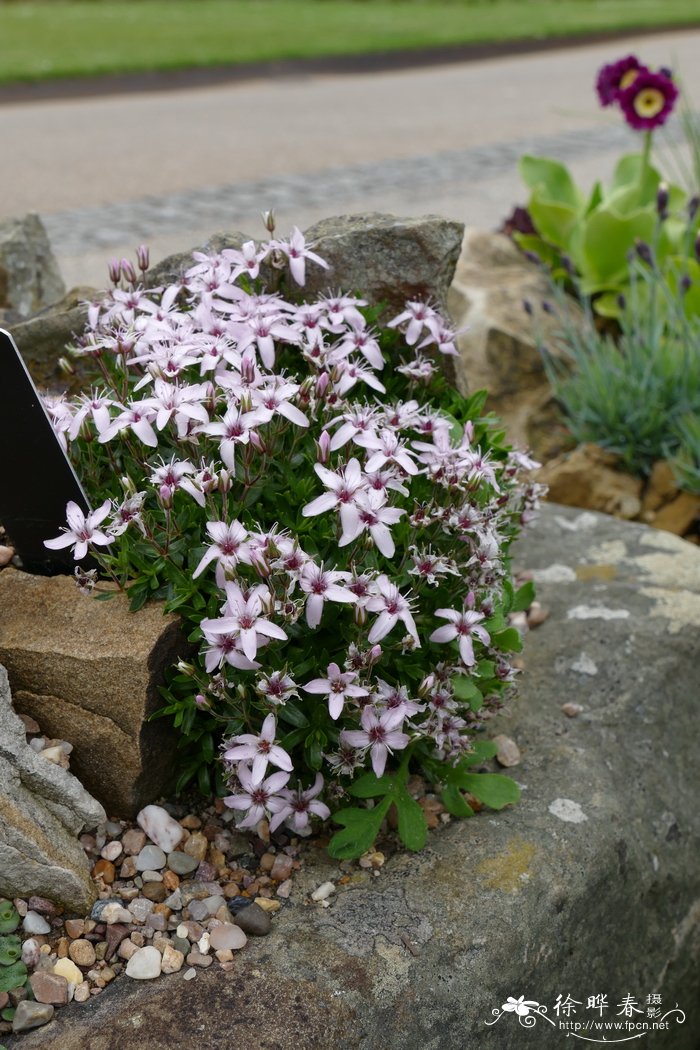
<point x="261" y="749"/>
<point x="462" y="625"/>
<point x="337" y="686"/>
<point x="82" y="530"/>
<point x="381" y="733"/>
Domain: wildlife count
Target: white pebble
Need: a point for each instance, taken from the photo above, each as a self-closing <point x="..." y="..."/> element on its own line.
<point x="190" y="974"/>
<point x="182" y="931"/>
<point x="144" y="964"/>
<point x="326" y="889"/>
<point x="35" y="923"/>
<point x="203" y="943"/>
<point x="160" y="827"/>
<point x="151" y="858"/>
<point x="111" y="851"/>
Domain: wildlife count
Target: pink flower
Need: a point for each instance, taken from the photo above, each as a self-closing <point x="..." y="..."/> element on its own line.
<point x="387" y="449"/>
<point x="299" y="805"/>
<point x="82" y="530"/>
<point x="380" y="733"/>
<point x="392" y="607"/>
<point x="242" y="618"/>
<point x="261" y="749"/>
<point x="228" y="549"/>
<point x="462" y="625"/>
<point x="337" y="686"/>
<point x="375" y="516"/>
<point x="417" y="314"/>
<point x="137" y="417"/>
<point x="321" y="586"/>
<point x="344" y="485"/>
<point x="257" y="798"/>
<point x="297" y="251"/>
<point x="234" y="429"/>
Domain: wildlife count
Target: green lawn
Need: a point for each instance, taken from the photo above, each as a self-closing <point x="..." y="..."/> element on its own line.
<point x="61" y="39"/>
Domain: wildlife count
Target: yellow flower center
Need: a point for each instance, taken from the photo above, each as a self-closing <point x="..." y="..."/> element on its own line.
<point x="629" y="78"/>
<point x="649" y="102"/>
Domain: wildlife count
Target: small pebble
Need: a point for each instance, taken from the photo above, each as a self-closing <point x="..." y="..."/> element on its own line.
<point x="105" y="870"/>
<point x="31" y="951"/>
<point x="326" y="889"/>
<point x="508" y="753"/>
<point x="74" y="927"/>
<point x="67" y="968"/>
<point x="42" y="905"/>
<point x="253" y="921"/>
<point x="31" y="1015"/>
<point x="285" y="888"/>
<point x="227" y="937"/>
<point x="140" y="909"/>
<point x="190" y="974"/>
<point x="82" y="992"/>
<point x="571" y="710"/>
<point x="49" y="988"/>
<point x="35" y="923"/>
<point x="282" y="868"/>
<point x="196" y="959"/>
<point x="161" y="828"/>
<point x="267" y="904"/>
<point x="144" y="964"/>
<point x="181" y="863"/>
<point x="133" y="841"/>
<point x="111" y="851"/>
<point x="82" y="952"/>
<point x="173" y="959"/>
<point x="196" y="846"/>
<point x="150" y="857"/>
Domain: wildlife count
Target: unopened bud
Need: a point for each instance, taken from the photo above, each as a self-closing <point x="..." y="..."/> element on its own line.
<point x="375" y="653"/>
<point x="256" y="441"/>
<point x="527" y="307"/>
<point x="568" y="265"/>
<point x="128" y="486"/>
<point x="128" y="271"/>
<point x="621" y="301"/>
<point x="693" y="205"/>
<point x="360" y="615"/>
<point x="200" y="700"/>
<point x="268" y="218"/>
<point x="66" y="366"/>
<point x="166" y="495"/>
<point x="322" y="384"/>
<point x="184" y="668"/>
<point x="143" y="257"/>
<point x="685" y="284"/>
<point x="644" y="252"/>
<point x="662" y="200"/>
<point x="248" y="366"/>
<point x="323" y="447"/>
<point x="547" y="307"/>
<point x="115" y="271"/>
<point x="225" y="483"/>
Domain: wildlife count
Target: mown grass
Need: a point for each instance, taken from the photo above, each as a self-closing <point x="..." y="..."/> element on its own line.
<point x="73" y="38"/>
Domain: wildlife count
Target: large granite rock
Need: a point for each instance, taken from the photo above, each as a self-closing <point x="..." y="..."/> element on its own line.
<point x="88" y="672"/>
<point x="590" y="885"/>
<point x="385" y="258"/>
<point x="29" y="274"/>
<point x="42" y="809"/>
<point x="498" y="345"/>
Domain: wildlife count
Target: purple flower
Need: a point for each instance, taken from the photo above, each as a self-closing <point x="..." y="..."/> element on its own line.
<point x="261" y="749"/>
<point x="321" y="586"/>
<point x="256" y="798"/>
<point x="615" y="77"/>
<point x="380" y="733"/>
<point x="337" y="686"/>
<point x="648" y="101"/>
<point x="462" y="625"/>
<point x="242" y="619"/>
<point x="299" y="805"/>
<point x="392" y="607"/>
<point x="82" y="530"/>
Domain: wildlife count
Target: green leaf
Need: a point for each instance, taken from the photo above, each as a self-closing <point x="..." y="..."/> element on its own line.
<point x="608" y="237"/>
<point x="370" y="786"/>
<point x="12" y="976"/>
<point x="10" y="950"/>
<point x="413" y="827"/>
<point x="493" y="789"/>
<point x="293" y="715"/>
<point x="523" y="597"/>
<point x="466" y="688"/>
<point x="553" y="178"/>
<point x="9" y="917"/>
<point x="508" y="641"/>
<point x="454" y="803"/>
<point x="360" y="829"/>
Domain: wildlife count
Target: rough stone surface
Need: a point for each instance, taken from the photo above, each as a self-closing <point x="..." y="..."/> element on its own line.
<point x="29" y="274"/>
<point x="589" y="477"/>
<point x="498" y="348"/>
<point x="88" y="672"/>
<point x="42" y="809"/>
<point x="533" y="901"/>
<point x="386" y="258"/>
<point x="43" y="337"/>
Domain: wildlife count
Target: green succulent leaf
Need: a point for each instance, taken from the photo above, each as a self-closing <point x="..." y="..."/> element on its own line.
<point x="12" y="976"/>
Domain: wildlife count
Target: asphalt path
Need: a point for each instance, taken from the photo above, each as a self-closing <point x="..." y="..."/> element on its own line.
<point x="171" y="167"/>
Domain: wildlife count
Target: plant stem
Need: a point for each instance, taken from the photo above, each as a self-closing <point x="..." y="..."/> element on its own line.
<point x="646" y="156"/>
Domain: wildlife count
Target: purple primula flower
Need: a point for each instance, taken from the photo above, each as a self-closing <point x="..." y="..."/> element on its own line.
<point x="81" y="530"/>
<point x="462" y="625"/>
<point x="615" y="77"/>
<point x="259" y="799"/>
<point x="380" y="733"/>
<point x="261" y="749"/>
<point x="299" y="805"/>
<point x="648" y="101"/>
<point x="338" y="686"/>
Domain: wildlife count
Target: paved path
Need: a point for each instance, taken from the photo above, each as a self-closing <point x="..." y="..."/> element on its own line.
<point x="170" y="168"/>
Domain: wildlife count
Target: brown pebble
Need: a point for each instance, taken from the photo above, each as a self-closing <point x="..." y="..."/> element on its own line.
<point x="43" y="906"/>
<point x="62" y="948"/>
<point x="128" y="868"/>
<point x="571" y="710"/>
<point x="266" y="861"/>
<point x="30" y="725"/>
<point x="82" y="993"/>
<point x="74" y="927"/>
<point x="216" y="857"/>
<point x="196" y="846"/>
<point x="154" y="891"/>
<point x="196" y="959"/>
<point x="82" y="952"/>
<point x="162" y="909"/>
<point x="171" y="881"/>
<point x="508" y="753"/>
<point x="133" y="841"/>
<point x="4" y="1000"/>
<point x="105" y="870"/>
<point x="6" y="555"/>
<point x="49" y="988"/>
<point x="282" y="868"/>
<point x="232" y="889"/>
<point x="191" y="822"/>
<point x="536" y="615"/>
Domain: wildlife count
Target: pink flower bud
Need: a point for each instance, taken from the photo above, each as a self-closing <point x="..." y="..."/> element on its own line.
<point x="322" y="384"/>
<point x="256" y="441"/>
<point x="200" y="701"/>
<point x="143" y="257"/>
<point x="375" y="653"/>
<point x="128" y="271"/>
<point x="115" y="271"/>
<point x="166" y="495"/>
<point x="225" y="482"/>
<point x="323" y="447"/>
<point x="360" y="615"/>
<point x="248" y="366"/>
